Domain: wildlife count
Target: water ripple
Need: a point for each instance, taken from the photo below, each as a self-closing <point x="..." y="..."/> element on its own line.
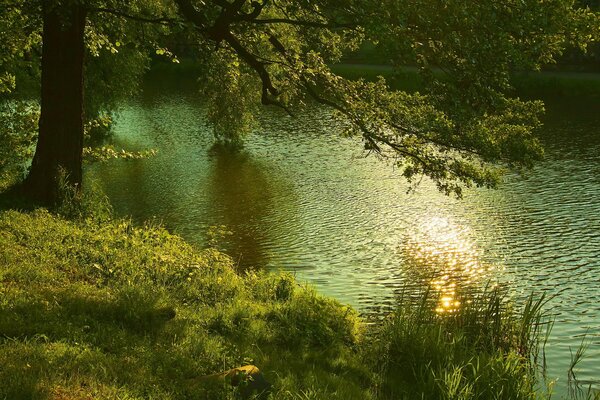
<point x="303" y="199"/>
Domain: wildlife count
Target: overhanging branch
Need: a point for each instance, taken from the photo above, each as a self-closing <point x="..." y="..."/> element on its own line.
<point x="139" y="18"/>
<point x="310" y="24"/>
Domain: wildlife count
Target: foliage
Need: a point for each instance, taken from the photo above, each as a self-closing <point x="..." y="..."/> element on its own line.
<point x="231" y="94"/>
<point x="18" y="128"/>
<point x="19" y="36"/>
<point x="97" y="129"/>
<point x="118" y="55"/>
<point x="462" y="130"/>
<point x="464" y="125"/>
<point x="104" y="153"/>
<point x="18" y="133"/>
<point x="465" y="54"/>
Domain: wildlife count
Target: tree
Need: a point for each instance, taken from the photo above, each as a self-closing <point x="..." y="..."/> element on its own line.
<point x="461" y="131"/>
<point x="60" y="142"/>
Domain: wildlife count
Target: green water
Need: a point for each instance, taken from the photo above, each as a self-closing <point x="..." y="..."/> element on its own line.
<point x="301" y="198"/>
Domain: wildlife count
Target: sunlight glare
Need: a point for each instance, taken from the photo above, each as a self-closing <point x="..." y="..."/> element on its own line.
<point x="446" y="258"/>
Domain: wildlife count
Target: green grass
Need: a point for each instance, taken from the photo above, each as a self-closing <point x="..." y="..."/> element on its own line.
<point x="114" y="311"/>
<point x="98" y="308"/>
<point x="483" y="350"/>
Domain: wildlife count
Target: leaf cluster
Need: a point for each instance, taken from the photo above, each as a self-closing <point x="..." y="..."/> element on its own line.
<point x="18" y="129"/>
<point x="464" y="129"/>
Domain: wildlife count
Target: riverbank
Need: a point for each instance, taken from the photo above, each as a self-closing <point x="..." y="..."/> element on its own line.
<point x="527" y="84"/>
<point x="108" y="310"/>
<point x="538" y="85"/>
<point x="96" y="307"/>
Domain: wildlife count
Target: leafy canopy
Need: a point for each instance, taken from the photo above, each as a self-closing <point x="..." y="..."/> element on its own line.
<point x="462" y="129"/>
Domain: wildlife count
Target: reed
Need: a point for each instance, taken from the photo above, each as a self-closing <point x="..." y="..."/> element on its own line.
<point x="485" y="349"/>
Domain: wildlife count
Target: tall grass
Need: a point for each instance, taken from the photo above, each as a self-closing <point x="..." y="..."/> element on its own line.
<point x="486" y="349"/>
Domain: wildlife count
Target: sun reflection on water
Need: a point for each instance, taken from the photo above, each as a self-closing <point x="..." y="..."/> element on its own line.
<point x="446" y="260"/>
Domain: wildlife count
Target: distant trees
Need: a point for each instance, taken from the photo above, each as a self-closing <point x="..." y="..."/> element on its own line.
<point x="460" y="131"/>
<point x="590" y="60"/>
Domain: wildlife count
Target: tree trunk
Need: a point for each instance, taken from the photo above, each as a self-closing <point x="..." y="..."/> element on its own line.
<point x="58" y="155"/>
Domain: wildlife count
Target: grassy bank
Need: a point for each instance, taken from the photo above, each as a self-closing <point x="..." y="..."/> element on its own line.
<point x="543" y="84"/>
<point x="96" y="308"/>
<point x="112" y="311"/>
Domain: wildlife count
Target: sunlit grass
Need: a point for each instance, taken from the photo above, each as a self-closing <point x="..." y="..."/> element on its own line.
<point x="111" y="310"/>
<point x="101" y="308"/>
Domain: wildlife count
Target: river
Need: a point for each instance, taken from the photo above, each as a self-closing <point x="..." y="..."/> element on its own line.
<point x="301" y="198"/>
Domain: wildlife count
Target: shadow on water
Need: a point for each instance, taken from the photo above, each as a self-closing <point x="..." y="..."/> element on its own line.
<point x="243" y="195"/>
<point x="192" y="184"/>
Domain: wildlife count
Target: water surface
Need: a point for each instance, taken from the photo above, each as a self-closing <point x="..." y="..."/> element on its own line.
<point x="301" y="198"/>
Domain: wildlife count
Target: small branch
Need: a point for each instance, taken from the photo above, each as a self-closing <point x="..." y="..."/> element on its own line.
<point x="255" y="13"/>
<point x="189" y="12"/>
<point x="220" y="31"/>
<point x="138" y="18"/>
<point x="311" y="24"/>
<point x="367" y="134"/>
<point x="268" y="89"/>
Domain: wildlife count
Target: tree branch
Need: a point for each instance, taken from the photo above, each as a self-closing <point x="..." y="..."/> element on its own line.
<point x="268" y="89"/>
<point x="138" y="18"/>
<point x="312" y="24"/>
<point x="189" y="12"/>
<point x="367" y="134"/>
<point x="255" y="13"/>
